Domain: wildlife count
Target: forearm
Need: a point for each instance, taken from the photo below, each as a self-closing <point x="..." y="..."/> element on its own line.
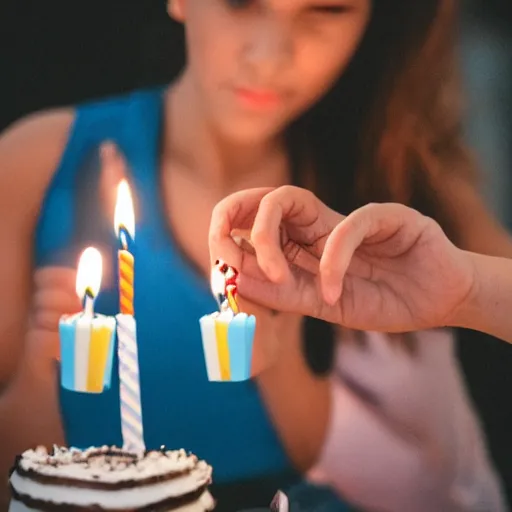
<point x="489" y="306"/>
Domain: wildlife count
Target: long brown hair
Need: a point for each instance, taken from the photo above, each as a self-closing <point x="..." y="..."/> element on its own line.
<point x="389" y="130"/>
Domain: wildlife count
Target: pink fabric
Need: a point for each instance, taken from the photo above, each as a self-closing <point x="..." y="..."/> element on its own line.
<point x="403" y="435"/>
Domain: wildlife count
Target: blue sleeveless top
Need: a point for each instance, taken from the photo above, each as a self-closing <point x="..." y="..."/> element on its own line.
<point x="224" y="423"/>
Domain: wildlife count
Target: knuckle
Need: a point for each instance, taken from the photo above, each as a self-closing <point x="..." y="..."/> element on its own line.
<point x="260" y="237"/>
<point x="287" y="189"/>
<point x="44" y="320"/>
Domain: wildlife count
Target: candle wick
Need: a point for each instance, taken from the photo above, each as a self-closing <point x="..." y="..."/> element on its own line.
<point x="123" y="237"/>
<point x="89" y="303"/>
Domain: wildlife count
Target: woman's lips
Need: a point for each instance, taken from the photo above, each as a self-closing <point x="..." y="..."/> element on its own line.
<point x="258" y="98"/>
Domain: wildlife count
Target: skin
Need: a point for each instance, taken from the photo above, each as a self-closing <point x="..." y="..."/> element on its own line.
<point x="384" y="267"/>
<point x="214" y="143"/>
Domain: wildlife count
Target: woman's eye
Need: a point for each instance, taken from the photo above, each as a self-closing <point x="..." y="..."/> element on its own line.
<point x="239" y="4"/>
<point x="331" y="9"/>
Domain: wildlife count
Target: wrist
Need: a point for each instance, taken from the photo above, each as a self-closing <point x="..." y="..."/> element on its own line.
<point x="466" y="315"/>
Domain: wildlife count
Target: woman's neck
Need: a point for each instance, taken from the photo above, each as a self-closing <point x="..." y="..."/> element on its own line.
<point x="192" y="141"/>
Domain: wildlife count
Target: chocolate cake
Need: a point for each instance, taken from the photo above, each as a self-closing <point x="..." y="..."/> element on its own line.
<point x="109" y="479"/>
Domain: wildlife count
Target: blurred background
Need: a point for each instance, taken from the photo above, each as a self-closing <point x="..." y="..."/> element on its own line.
<point x="58" y="52"/>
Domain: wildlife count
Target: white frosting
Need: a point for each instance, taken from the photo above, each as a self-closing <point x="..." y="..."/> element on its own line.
<point x="99" y="466"/>
<point x="134" y="497"/>
<point x="204" y="503"/>
<point x="70" y="464"/>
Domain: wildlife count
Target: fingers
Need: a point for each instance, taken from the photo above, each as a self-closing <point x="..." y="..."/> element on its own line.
<point x="235" y="212"/>
<point x="301" y="214"/>
<point x="54" y="296"/>
<point x="373" y="223"/>
<point x="295" y="295"/>
<point x="55" y="277"/>
<point x="274" y="215"/>
<point x="266" y="235"/>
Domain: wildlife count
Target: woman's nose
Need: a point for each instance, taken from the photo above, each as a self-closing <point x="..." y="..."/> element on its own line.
<point x="268" y="49"/>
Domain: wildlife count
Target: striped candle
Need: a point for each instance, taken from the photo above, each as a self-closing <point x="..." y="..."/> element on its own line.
<point x="86" y="352"/>
<point x="126" y="274"/>
<point x="231" y="298"/>
<point x="129" y="382"/>
<point x="228" y="345"/>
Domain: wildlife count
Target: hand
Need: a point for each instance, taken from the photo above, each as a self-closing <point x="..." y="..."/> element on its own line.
<point x="54" y="296"/>
<point x="384" y="267"/>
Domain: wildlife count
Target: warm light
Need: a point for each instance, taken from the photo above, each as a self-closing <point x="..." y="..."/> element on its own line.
<point x="124" y="215"/>
<point x="88" y="276"/>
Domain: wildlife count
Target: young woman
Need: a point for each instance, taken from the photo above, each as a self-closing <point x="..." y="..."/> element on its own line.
<point x="348" y="98"/>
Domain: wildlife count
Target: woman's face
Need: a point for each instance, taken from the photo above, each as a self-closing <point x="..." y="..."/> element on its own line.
<point x="258" y="64"/>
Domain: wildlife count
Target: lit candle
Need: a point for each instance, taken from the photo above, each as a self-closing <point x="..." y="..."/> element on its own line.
<point x="129" y="382"/>
<point x="87" y="339"/>
<point x="124" y="220"/>
<point x="88" y="278"/>
<point x="227" y="335"/>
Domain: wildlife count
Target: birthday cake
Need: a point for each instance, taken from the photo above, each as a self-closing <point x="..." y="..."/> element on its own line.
<point x="109" y="479"/>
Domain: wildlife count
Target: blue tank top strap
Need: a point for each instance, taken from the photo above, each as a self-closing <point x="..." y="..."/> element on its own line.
<point x="72" y="201"/>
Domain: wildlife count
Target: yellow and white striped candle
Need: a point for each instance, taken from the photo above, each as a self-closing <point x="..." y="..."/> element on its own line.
<point x="87" y="339"/>
<point x="86" y="348"/>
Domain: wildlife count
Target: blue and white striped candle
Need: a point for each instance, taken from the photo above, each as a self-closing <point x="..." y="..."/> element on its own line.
<point x="129" y="384"/>
<point x="228" y="345"/>
<point x="129" y="381"/>
<point x="86" y="352"/>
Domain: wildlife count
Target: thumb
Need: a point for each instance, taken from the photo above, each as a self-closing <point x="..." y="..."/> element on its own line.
<point x="338" y="252"/>
<point x="375" y="223"/>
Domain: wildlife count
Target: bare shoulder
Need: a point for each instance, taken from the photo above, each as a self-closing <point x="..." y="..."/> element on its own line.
<point x="30" y="151"/>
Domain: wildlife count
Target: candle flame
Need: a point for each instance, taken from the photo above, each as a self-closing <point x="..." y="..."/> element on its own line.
<point x="88" y="276"/>
<point x="124" y="216"/>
